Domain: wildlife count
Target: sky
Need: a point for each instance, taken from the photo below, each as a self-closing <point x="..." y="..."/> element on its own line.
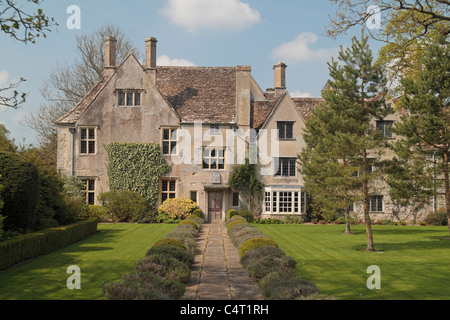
<point x="258" y="33"/>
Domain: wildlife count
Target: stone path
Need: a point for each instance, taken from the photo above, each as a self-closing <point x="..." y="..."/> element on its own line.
<point x="217" y="273"/>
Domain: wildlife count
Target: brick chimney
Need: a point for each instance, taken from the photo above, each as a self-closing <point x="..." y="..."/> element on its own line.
<point x="110" y="54"/>
<point x="279" y="78"/>
<point x="150" y="53"/>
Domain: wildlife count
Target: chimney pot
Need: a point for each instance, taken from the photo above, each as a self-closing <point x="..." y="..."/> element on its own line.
<point x="150" y="52"/>
<point x="280" y="75"/>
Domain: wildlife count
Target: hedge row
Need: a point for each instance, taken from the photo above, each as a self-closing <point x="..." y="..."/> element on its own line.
<point x="31" y="245"/>
<point x="268" y="264"/>
<point x="166" y="267"/>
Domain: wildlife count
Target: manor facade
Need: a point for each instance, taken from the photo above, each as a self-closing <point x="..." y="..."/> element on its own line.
<point x="206" y="119"/>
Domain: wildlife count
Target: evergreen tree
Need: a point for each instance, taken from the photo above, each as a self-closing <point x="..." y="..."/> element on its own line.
<point x="340" y="136"/>
<point x="424" y="150"/>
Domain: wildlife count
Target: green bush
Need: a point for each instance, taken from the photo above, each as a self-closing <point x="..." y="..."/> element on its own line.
<point x="235" y="222"/>
<point x="268" y="221"/>
<point x="242" y="232"/>
<point x="198" y="213"/>
<point x="234" y="218"/>
<point x="144" y="286"/>
<point x="98" y="212"/>
<point x="171" y="242"/>
<point x="186" y="234"/>
<point x="248" y="215"/>
<point x="189" y="222"/>
<point x="27" y="246"/>
<point x="164" y="266"/>
<point x="176" y="252"/>
<point x="438" y="218"/>
<point x="197" y="220"/>
<point x="231" y="213"/>
<point x="255" y="243"/>
<point x="283" y="286"/>
<point x="264" y="260"/>
<point x="125" y="206"/>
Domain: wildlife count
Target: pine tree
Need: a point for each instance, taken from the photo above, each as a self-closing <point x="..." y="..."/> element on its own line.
<point x="340" y="135"/>
<point x="424" y="150"/>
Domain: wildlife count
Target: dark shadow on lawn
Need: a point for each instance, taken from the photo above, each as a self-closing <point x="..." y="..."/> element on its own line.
<point x="101" y="236"/>
<point x="437" y="243"/>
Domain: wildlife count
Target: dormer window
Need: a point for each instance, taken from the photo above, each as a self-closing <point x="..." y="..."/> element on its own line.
<point x="129" y="98"/>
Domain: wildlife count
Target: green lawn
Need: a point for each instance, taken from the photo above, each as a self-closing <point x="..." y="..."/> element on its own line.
<point x="414" y="261"/>
<point x="102" y="257"/>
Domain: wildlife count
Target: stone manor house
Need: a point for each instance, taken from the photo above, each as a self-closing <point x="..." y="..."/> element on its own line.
<point x="150" y="104"/>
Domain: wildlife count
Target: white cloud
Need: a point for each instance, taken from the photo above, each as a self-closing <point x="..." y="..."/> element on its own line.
<point x="167" y="61"/>
<point x="299" y="94"/>
<point x="299" y="49"/>
<point x="4" y="75"/>
<point x="210" y="14"/>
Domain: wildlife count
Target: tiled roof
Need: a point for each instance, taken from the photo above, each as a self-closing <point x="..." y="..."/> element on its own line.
<point x="261" y="110"/>
<point x="74" y="114"/>
<point x="206" y="94"/>
<point x="305" y="105"/>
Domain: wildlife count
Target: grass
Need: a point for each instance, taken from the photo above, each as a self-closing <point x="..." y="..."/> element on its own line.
<point x="414" y="261"/>
<point x="102" y="257"/>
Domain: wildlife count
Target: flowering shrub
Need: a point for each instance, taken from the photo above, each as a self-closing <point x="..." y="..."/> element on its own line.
<point x="177" y="208"/>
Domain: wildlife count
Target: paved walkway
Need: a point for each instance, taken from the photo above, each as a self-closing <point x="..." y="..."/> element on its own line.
<point x="217" y="273"/>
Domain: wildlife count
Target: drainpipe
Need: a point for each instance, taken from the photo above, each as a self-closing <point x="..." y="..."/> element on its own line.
<point x="72" y="151"/>
<point x="434" y="182"/>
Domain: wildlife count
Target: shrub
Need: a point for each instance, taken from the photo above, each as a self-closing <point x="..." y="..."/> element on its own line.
<point x="283" y="286"/>
<point x="198" y="213"/>
<point x="234" y="218"/>
<point x="177" y="208"/>
<point x="231" y="213"/>
<point x="171" y="242"/>
<point x="268" y="221"/>
<point x="143" y="286"/>
<point x="186" y="234"/>
<point x="176" y="252"/>
<point x="264" y="260"/>
<point x="247" y="215"/>
<point x="189" y="222"/>
<point x="164" y="266"/>
<point x="235" y="222"/>
<point x="98" y="212"/>
<point x="199" y="221"/>
<point x="27" y="246"/>
<point x="255" y="243"/>
<point x="125" y="206"/>
<point x="438" y="218"/>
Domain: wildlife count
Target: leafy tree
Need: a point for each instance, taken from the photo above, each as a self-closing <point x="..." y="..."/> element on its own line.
<point x="424" y="150"/>
<point x="341" y="138"/>
<point x="24" y="26"/>
<point x="20" y="193"/>
<point x="243" y="179"/>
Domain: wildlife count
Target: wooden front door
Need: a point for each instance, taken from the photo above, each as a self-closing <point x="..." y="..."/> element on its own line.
<point x="215" y="205"/>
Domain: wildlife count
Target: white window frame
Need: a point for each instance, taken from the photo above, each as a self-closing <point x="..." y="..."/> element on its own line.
<point x="290" y="198"/>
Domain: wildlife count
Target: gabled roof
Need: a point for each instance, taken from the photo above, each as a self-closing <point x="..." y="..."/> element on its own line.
<point x="206" y="94"/>
<point x="261" y="110"/>
<point x="305" y="105"/>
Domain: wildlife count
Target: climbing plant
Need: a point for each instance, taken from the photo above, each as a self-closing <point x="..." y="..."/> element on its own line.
<point x="136" y="167"/>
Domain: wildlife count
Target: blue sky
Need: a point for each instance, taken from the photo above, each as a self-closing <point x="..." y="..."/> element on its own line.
<point x="200" y="32"/>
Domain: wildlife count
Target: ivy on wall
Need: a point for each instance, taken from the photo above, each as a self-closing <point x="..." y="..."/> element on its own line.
<point x="136" y="167"/>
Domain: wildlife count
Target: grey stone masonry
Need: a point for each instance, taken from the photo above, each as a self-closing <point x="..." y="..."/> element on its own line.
<point x="217" y="273"/>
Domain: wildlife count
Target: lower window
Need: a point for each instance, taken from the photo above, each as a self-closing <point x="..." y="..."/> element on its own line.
<point x="285" y="201"/>
<point x="168" y="190"/>
<point x="376" y="204"/>
<point x="90" y="190"/>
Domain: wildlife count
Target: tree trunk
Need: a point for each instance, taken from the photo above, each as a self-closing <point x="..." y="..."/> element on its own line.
<point x="370" y="246"/>
<point x="347" y="221"/>
<point x="447" y="187"/>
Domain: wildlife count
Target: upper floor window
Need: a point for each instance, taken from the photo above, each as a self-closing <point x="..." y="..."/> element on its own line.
<point x="286" y="167"/>
<point x="285" y="129"/>
<point x="213" y="159"/>
<point x="129" y="98"/>
<point x="169" y="141"/>
<point x="87" y="140"/>
<point x="385" y="128"/>
<point x="214" y="128"/>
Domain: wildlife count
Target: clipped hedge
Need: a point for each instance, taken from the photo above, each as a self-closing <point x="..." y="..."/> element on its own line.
<point x="31" y="245"/>
<point x="171" y="242"/>
<point x="255" y="243"/>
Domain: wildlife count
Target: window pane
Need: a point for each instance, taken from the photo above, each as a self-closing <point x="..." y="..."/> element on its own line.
<point x="236" y="199"/>
<point x="91" y="198"/>
<point x="173" y="134"/>
<point x="194" y="196"/>
<point x="137" y="99"/>
<point x="83" y="133"/>
<point x="292" y="163"/>
<point x="91" y="133"/>
<point x="91" y="146"/>
<point x="91" y="185"/>
<point x="274" y="201"/>
<point x="281" y="130"/>
<point x="129" y="98"/>
<point x="163" y="197"/>
<point x="121" y="98"/>
<point x="164" y="185"/>
<point x="173" y="148"/>
<point x="171" y="195"/>
<point x="166" y="134"/>
<point x="172" y="185"/>
<point x="285" y="167"/>
<point x="289" y="131"/>
<point x="206" y="164"/>
<point x="166" y="147"/>
<point x="83" y="147"/>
